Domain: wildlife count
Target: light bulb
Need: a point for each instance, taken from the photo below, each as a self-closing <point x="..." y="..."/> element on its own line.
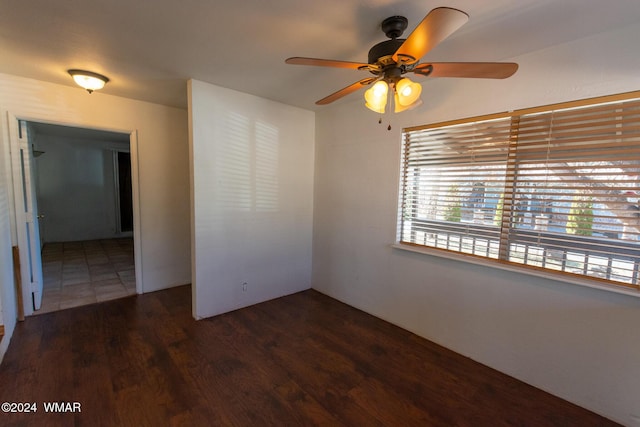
<point x="407" y="92"/>
<point x="380" y="88"/>
<point x="376" y="96"/>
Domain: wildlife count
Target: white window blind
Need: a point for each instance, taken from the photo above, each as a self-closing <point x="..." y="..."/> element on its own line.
<point x="554" y="189"/>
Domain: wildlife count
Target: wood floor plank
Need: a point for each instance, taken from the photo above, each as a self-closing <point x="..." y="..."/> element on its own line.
<point x="297" y="363"/>
<point x="300" y="360"/>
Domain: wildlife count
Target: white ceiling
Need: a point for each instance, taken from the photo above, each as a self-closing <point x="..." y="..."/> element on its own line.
<point x="149" y="48"/>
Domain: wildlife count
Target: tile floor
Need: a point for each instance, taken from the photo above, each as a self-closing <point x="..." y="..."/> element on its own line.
<point x="81" y="273"/>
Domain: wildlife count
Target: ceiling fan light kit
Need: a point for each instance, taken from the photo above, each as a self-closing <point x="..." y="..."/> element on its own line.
<point x="406" y="95"/>
<point x="391" y="59"/>
<point x="88" y="80"/>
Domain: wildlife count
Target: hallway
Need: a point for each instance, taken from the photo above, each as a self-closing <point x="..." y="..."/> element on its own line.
<point x="81" y="273"/>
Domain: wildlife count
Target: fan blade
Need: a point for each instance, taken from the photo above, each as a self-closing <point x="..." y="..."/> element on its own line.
<point x="439" y="24"/>
<point x="346" y="91"/>
<point x="478" y="70"/>
<point x="296" y="60"/>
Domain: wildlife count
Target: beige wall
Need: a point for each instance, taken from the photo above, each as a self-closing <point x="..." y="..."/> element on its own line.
<point x="162" y="141"/>
<point x="579" y="343"/>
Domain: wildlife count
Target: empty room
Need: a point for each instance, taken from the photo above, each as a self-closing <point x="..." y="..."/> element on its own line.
<point x="343" y="213"/>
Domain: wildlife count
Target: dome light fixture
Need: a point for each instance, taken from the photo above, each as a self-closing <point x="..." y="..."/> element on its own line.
<point x="88" y="80"/>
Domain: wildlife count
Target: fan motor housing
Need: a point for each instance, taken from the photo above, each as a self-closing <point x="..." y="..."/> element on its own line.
<point x="382" y="49"/>
<point x="394" y="26"/>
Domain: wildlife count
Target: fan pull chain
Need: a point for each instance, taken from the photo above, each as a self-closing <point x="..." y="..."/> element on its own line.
<point x="390" y="104"/>
<point x="380" y="122"/>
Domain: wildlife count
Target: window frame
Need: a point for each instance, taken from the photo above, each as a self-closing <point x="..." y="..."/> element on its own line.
<point x="502" y="261"/>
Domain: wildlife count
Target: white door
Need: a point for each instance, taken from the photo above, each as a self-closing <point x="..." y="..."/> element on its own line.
<point x="26" y="216"/>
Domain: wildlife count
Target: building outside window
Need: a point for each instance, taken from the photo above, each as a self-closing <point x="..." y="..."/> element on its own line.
<point x="550" y="188"/>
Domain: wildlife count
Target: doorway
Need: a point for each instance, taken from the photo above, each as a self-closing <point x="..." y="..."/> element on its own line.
<point x="82" y="182"/>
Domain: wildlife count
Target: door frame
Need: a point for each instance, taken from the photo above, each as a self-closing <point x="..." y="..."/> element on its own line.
<point x="17" y="201"/>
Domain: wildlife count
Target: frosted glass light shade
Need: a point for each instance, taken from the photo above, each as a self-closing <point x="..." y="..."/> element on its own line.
<point x="376" y="96"/>
<point x="407" y="92"/>
<point x="400" y="108"/>
<point x="88" y="80"/>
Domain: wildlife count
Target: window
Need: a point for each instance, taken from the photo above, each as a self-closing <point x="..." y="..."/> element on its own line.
<point x="552" y="188"/>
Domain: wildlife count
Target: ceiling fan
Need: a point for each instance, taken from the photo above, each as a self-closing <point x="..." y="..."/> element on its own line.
<point x="391" y="59"/>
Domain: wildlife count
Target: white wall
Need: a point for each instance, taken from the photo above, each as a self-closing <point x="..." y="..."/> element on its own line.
<point x="76" y="188"/>
<point x="252" y="195"/>
<point x="163" y="172"/>
<point x="578" y="343"/>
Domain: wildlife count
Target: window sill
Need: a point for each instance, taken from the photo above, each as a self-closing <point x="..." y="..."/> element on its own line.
<point x="490" y="263"/>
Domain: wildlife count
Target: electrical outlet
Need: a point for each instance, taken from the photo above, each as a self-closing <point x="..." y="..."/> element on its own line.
<point x="244" y="287"/>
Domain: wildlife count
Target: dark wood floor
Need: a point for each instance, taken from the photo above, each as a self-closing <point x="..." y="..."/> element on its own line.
<point x="301" y="360"/>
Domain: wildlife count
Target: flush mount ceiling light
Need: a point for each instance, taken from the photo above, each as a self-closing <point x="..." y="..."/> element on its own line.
<point x="88" y="80"/>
